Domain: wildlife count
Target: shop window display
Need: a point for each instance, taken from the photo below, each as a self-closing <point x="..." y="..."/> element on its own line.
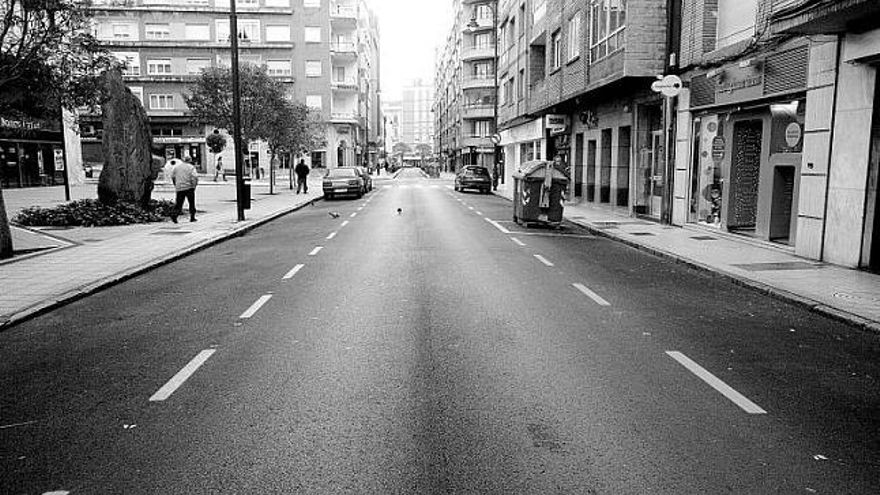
<point x="708" y="171"/>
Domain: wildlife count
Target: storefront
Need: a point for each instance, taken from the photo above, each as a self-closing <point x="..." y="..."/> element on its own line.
<point x="31" y="153"/>
<point x="520" y="144"/>
<point x="747" y="134"/>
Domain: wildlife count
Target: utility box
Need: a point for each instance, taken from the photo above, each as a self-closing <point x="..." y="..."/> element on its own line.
<point x="538" y="193"/>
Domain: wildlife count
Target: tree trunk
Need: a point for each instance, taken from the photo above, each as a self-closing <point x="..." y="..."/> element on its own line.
<point x="272" y="173"/>
<point x="5" y="233"/>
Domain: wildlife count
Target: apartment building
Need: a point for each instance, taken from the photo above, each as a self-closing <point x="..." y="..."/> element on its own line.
<point x="324" y="50"/>
<point x="416" y="121"/>
<point x="465" y="93"/>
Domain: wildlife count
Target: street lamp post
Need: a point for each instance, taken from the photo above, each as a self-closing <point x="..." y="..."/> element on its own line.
<point x="236" y="114"/>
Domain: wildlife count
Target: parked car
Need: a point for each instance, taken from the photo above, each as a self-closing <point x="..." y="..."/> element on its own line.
<point x="368" y="179"/>
<point x="473" y="177"/>
<point x="342" y="181"/>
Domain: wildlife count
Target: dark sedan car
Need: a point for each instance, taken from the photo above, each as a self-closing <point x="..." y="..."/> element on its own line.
<point x="343" y="180"/>
<point x="474" y="177"/>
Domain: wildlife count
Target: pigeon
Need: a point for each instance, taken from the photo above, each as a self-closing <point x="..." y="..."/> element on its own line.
<point x="334" y="214"/>
<point x="399" y="211"/>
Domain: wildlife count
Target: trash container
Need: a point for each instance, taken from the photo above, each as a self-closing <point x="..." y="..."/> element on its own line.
<point x="246" y="193"/>
<point x="538" y="193"/>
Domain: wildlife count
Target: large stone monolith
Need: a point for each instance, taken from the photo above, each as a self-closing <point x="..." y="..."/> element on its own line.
<point x="129" y="170"/>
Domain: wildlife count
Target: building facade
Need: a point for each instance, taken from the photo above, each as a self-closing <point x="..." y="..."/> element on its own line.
<point x="323" y="50"/>
<point x="416" y="121"/>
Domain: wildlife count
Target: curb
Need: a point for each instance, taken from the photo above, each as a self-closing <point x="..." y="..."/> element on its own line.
<point x="774" y="292"/>
<point x="88" y="289"/>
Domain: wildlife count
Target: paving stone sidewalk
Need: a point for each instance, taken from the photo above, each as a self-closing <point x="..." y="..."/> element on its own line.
<point x="846" y="294"/>
<point x="61" y="265"/>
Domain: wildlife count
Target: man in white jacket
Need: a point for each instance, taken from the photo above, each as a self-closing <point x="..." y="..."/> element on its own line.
<point x="185" y="179"/>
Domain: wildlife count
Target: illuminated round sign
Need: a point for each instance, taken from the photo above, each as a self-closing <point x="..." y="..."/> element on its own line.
<point x="793" y="134"/>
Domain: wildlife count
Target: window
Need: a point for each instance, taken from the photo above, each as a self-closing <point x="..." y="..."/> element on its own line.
<point x="736" y="21"/>
<point x="313" y="68"/>
<point x="574" y="37"/>
<point x="511" y="32"/>
<point x="161" y="102"/>
<point x="606" y="29"/>
<point x="157" y="31"/>
<point x="248" y="30"/>
<point x="278" y="67"/>
<point x="197" y="32"/>
<point x="482" y="128"/>
<point x="314" y="101"/>
<point x="159" y="66"/>
<point x="132" y="61"/>
<point x="338" y="73"/>
<point x="556" y="50"/>
<point x="539" y="10"/>
<point x="483" y="12"/>
<point x="247" y="3"/>
<point x="313" y="34"/>
<point x="123" y="31"/>
<point x="277" y="3"/>
<point x="521" y="85"/>
<point x="522" y="19"/>
<point x="279" y="32"/>
<point x="194" y="66"/>
<point x="311" y="3"/>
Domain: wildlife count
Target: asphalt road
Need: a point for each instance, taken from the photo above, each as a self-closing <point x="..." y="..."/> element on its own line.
<point x="434" y="351"/>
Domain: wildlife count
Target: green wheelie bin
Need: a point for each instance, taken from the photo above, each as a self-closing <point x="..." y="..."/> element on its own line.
<point x="538" y="193"/>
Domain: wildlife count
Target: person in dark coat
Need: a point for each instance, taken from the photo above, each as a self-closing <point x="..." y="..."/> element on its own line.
<point x="302" y="174"/>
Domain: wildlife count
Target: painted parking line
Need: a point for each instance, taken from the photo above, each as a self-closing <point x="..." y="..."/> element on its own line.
<point x="543" y="260"/>
<point x="344" y="223"/>
<point x="517" y="241"/>
<point x="592" y="295"/>
<point x="177" y="380"/>
<point x="331" y="236"/>
<point x="251" y="311"/>
<point x="354" y="214"/>
<point x="289" y="275"/>
<point x="316" y="250"/>
<point x="713" y="381"/>
<point x="497" y="225"/>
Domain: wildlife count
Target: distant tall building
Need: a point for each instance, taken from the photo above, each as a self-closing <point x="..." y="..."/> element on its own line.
<point x="391" y="112"/>
<point x="326" y="51"/>
<point x="416" y="121"/>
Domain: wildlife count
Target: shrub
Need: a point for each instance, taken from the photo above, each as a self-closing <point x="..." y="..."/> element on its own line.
<point x="93" y="213"/>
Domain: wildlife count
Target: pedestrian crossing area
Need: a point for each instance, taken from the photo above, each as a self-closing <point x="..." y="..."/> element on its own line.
<point x="417" y="186"/>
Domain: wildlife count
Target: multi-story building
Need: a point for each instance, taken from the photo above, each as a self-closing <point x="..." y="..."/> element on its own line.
<point x="465" y="77"/>
<point x="391" y="115"/>
<point x="324" y="50"/>
<point x="416" y="122"/>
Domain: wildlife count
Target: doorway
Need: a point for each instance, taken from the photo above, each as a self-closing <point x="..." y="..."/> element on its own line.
<point x="871" y="238"/>
<point x="745" y="172"/>
<point x="578" y="165"/>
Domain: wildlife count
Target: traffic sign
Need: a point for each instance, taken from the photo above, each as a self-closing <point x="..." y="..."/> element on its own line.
<point x="496" y="139"/>
<point x="669" y="85"/>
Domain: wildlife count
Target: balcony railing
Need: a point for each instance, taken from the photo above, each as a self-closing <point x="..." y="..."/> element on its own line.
<point x="347" y="84"/>
<point x="483" y="50"/>
<point x="478" y="111"/>
<point x="343" y="47"/>
<point x="349" y="117"/>
<point x="343" y="11"/>
<point x="478" y="81"/>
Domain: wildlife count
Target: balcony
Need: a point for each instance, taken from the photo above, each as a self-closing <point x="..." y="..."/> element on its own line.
<point x="344" y="117"/>
<point x="478" y="111"/>
<point x="483" y="23"/>
<point x="478" y="81"/>
<point x="346" y="14"/>
<point x="824" y="17"/>
<point x="343" y="49"/>
<point x="482" y="143"/>
<point x="475" y="52"/>
<point x="344" y="85"/>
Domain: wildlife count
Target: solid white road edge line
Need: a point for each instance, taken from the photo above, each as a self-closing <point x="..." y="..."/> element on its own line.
<point x="713" y="381"/>
<point x="497" y="225"/>
<point x="293" y="271"/>
<point x="316" y="250"/>
<point x="177" y="380"/>
<point x="592" y="295"/>
<point x="543" y="260"/>
<point x="331" y="236"/>
<point x="517" y="241"/>
<point x="256" y="306"/>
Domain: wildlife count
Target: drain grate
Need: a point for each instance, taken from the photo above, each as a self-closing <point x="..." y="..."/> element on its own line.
<point x="785" y="265"/>
<point x="704" y="238"/>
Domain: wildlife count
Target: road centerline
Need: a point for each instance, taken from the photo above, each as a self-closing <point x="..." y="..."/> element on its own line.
<point x="726" y="390"/>
<point x="592" y="295"/>
<point x="251" y="311"/>
<point x="497" y="225"/>
<point x="517" y="242"/>
<point x="316" y="250"/>
<point x="331" y="236"/>
<point x="293" y="271"/>
<point x="543" y="260"/>
<point x="344" y="223"/>
<point x="354" y="214"/>
<point x="177" y="380"/>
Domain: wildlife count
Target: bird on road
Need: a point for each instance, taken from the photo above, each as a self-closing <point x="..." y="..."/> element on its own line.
<point x="334" y="214"/>
<point x="399" y="211"/>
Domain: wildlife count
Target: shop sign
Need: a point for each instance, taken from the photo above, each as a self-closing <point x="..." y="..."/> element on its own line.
<point x="20" y="124"/>
<point x="735" y="84"/>
<point x="556" y="123"/>
<point x="59" y="159"/>
<point x="793" y="134"/>
<point x="718" y="145"/>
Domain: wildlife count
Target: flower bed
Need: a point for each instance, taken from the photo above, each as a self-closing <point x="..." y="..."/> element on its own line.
<point x="92" y="213"/>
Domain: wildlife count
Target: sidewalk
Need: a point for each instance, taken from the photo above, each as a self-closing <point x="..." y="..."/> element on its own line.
<point x="845" y="294"/>
<point x="54" y="266"/>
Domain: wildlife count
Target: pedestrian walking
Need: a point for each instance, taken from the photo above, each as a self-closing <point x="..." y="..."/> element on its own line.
<point x="185" y="179"/>
<point x="302" y="174"/>
<point x="495" y="173"/>
<point x="218" y="169"/>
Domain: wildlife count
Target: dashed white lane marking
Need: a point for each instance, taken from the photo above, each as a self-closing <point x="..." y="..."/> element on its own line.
<point x="517" y="241"/>
<point x="360" y="208"/>
<point x="497" y="225"/>
<point x="344" y="223"/>
<point x="713" y="381"/>
<point x="592" y="295"/>
<point x="470" y="207"/>
<point x="354" y="214"/>
<point x="543" y="260"/>
<point x="479" y="213"/>
<point x="316" y="250"/>
<point x="177" y="380"/>
<point x="57" y="492"/>
<point x="331" y="236"/>
<point x="289" y="275"/>
<point x="251" y="311"/>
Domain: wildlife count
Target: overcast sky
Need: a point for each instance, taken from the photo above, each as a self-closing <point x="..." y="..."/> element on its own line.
<point x="409" y="30"/>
